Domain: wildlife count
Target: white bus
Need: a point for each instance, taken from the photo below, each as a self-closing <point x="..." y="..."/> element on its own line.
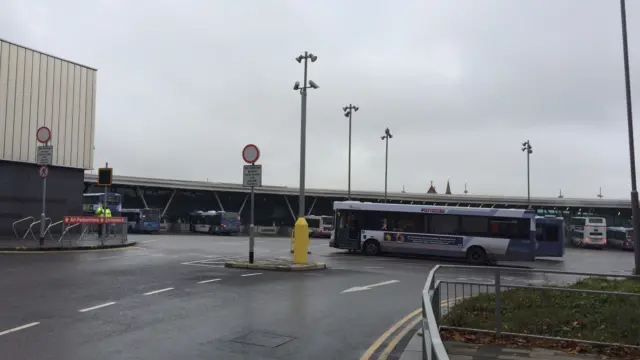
<point x="319" y="225"/>
<point x="478" y="234"/>
<point x="588" y="232"/>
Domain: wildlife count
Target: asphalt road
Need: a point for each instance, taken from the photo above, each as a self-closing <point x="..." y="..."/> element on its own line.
<point x="171" y="298"/>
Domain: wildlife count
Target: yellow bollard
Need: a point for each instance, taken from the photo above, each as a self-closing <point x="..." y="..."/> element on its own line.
<point x="301" y="242"/>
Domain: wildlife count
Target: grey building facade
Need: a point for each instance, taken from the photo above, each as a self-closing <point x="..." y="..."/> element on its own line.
<point x="37" y="89"/>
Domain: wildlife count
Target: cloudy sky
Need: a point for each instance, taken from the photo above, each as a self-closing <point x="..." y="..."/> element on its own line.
<point x="183" y="86"/>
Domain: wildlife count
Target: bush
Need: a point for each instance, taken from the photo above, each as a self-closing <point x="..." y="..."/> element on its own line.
<point x="595" y="317"/>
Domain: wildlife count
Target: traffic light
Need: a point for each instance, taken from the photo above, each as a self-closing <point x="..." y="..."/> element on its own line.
<point x="105" y="176"/>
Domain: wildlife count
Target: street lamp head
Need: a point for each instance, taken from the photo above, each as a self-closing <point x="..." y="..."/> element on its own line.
<point x="313" y="57"/>
<point x="313" y="84"/>
<point x="524" y="143"/>
<point x="299" y="58"/>
<point x="383" y="137"/>
<point x="388" y="133"/>
<point x="356" y="108"/>
<point x="345" y="108"/>
<point x="296" y="86"/>
<point x="347" y="114"/>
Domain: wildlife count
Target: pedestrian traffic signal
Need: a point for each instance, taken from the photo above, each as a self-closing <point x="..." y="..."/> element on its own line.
<point x="105" y="176"/>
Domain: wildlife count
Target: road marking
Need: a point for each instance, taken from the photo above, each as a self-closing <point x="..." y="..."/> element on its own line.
<point x="97" y="307"/>
<point x="252" y="274"/>
<point x="394" y="342"/>
<point x="208" y="281"/>
<point x="19" y="328"/>
<point x="367" y="287"/>
<point x="372" y="349"/>
<point x="367" y="354"/>
<point x="157" y="291"/>
<point x="148" y="241"/>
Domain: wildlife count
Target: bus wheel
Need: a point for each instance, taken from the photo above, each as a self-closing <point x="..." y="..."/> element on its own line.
<point x="371" y="247"/>
<point x="476" y="255"/>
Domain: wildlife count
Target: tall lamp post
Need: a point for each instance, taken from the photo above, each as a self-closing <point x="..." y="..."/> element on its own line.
<point x="635" y="214"/>
<point x="348" y="112"/>
<point x="387" y="135"/>
<point x="526" y="146"/>
<point x="303" y="123"/>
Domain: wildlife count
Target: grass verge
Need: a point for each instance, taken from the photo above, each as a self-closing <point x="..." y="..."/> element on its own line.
<point x="610" y="318"/>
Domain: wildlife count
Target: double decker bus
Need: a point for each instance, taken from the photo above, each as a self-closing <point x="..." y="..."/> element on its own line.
<point x="215" y="222"/>
<point x="319" y="225"/>
<point x="589" y="232"/>
<point x="142" y="220"/>
<point x="92" y="201"/>
<point x="480" y="235"/>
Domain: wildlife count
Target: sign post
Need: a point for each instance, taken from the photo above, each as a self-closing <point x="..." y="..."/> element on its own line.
<point x="251" y="177"/>
<point x="44" y="158"/>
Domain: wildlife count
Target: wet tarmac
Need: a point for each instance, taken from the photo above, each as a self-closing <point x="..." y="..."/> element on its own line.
<point x="171" y="298"/>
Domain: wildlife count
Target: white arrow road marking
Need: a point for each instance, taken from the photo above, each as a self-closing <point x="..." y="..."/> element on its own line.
<point x="367" y="287"/>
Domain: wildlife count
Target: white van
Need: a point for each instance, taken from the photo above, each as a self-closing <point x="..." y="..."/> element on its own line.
<point x="588" y="232"/>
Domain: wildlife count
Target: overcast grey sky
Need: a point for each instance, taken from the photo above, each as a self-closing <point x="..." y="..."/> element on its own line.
<point x="183" y="86"/>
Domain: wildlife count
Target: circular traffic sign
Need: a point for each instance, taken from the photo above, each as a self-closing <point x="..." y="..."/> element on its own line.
<point x="43" y="171"/>
<point x="43" y="134"/>
<point x="250" y="154"/>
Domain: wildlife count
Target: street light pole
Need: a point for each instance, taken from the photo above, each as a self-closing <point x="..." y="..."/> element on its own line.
<point x="303" y="123"/>
<point x="526" y="146"/>
<point x="348" y="112"/>
<point x="635" y="214"/>
<point x="387" y="135"/>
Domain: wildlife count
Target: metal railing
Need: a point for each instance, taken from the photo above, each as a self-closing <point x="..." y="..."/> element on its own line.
<point x="15" y="231"/>
<point x="530" y="303"/>
<point x="48" y="229"/>
<point x="30" y="231"/>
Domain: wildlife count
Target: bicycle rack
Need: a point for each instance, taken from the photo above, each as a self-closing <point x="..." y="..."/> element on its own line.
<point x="18" y="222"/>
<point x="31" y="228"/>
<point x="50" y="226"/>
<point x="64" y="232"/>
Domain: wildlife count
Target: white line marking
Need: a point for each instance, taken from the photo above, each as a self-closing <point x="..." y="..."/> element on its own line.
<point x="19" y="328"/>
<point x="97" y="307"/>
<point x="157" y="291"/>
<point x="368" y="287"/>
<point x="148" y="241"/>
<point x="208" y="281"/>
<point x="252" y="274"/>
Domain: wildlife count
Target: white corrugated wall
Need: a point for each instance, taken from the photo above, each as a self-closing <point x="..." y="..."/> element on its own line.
<point x="36" y="90"/>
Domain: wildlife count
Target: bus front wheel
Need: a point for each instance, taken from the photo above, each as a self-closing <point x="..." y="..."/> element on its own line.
<point x="371" y="247"/>
<point x="476" y="255"/>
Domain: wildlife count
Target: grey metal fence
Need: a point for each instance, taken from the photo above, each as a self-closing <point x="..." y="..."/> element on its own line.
<point x="582" y="307"/>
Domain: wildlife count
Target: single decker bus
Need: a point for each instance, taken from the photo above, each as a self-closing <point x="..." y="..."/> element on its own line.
<point x="215" y="222"/>
<point x="480" y="235"/>
<point x="142" y="220"/>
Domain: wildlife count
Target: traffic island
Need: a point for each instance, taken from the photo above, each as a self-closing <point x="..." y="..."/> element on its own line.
<point x="275" y="265"/>
<point x="14" y="246"/>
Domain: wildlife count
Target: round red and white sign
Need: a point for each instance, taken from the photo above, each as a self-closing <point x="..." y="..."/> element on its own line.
<point x="250" y="154"/>
<point x="43" y="171"/>
<point x="43" y="134"/>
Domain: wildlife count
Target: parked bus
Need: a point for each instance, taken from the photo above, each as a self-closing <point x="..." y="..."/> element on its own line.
<point x="589" y="232"/>
<point x="142" y="220"/>
<point x="320" y="226"/>
<point x="620" y="238"/>
<point x="215" y="222"/>
<point x="550" y="231"/>
<point x="91" y="203"/>
<point x="478" y="234"/>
